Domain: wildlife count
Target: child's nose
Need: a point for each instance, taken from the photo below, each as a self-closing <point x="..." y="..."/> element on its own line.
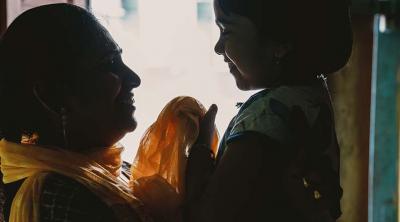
<point x="219" y="47"/>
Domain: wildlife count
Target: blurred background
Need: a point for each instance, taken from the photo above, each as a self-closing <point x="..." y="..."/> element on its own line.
<point x="170" y="45"/>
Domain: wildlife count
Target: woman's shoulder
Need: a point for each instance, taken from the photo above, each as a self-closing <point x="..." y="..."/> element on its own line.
<point x="267" y="112"/>
<point x="65" y="199"/>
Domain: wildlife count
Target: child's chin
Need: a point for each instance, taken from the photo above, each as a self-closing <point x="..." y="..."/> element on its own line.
<point x="242" y="85"/>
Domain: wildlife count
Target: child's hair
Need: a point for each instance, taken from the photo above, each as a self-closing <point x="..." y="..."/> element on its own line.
<point x="319" y="30"/>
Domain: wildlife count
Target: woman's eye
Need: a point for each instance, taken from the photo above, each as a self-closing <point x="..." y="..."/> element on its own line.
<point x="105" y="66"/>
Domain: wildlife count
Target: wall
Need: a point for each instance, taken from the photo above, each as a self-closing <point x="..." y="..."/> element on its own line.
<point x="351" y="91"/>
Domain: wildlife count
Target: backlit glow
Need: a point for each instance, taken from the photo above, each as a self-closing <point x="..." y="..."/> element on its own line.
<point x="170" y="46"/>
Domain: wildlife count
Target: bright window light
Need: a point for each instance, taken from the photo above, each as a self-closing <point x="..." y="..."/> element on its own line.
<point x="170" y="44"/>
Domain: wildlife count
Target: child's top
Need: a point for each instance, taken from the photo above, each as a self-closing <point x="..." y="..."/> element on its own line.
<point x="268" y="113"/>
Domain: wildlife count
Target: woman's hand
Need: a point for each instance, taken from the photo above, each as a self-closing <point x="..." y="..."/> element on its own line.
<point x="160" y="199"/>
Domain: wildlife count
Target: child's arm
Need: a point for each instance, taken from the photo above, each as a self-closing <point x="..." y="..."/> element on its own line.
<point x="234" y="182"/>
<point x="200" y="164"/>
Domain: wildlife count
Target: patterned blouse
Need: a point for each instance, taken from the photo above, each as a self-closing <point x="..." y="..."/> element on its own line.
<point x="268" y="113"/>
<point x="65" y="200"/>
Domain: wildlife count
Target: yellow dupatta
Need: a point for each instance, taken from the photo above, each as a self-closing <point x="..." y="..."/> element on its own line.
<point x="157" y="172"/>
<point x="32" y="163"/>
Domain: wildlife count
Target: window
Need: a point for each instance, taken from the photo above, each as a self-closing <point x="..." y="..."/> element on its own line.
<point x="16" y="7"/>
<point x="170" y="44"/>
<point x="204" y="11"/>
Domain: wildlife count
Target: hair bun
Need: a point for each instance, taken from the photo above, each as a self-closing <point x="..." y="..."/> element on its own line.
<point x="323" y="35"/>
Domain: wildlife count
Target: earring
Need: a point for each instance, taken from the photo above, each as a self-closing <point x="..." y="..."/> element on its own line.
<point x="40" y="100"/>
<point x="55" y="115"/>
<point x="64" y="126"/>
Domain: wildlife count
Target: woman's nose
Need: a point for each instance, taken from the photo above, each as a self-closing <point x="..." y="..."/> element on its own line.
<point x="135" y="80"/>
<point x="219" y="47"/>
<point x="131" y="78"/>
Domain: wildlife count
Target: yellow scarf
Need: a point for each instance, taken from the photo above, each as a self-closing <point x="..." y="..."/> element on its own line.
<point x="32" y="163"/>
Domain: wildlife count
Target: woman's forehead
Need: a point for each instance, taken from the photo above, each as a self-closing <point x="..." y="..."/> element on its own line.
<point x="97" y="48"/>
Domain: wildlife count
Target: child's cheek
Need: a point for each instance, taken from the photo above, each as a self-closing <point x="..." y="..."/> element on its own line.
<point x="234" y="51"/>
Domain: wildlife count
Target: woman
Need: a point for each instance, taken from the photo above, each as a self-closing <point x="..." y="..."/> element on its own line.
<point x="66" y="99"/>
<point x="267" y="168"/>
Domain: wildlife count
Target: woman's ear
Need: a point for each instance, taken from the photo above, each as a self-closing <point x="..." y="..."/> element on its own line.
<point x="55" y="98"/>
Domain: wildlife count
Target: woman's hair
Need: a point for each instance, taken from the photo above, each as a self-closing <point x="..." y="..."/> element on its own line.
<point x="52" y="45"/>
<point x="319" y="30"/>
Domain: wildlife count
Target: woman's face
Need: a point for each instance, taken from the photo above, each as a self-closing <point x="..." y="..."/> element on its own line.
<point x="102" y="111"/>
<point x="249" y="57"/>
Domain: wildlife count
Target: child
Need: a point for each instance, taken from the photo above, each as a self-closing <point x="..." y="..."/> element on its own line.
<point x="279" y="158"/>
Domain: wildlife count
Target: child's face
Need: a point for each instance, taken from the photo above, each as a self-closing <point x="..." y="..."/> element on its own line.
<point x="250" y="57"/>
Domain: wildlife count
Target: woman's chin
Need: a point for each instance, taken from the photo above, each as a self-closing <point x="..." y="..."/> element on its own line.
<point x="131" y="125"/>
<point x="126" y="125"/>
<point x="125" y="118"/>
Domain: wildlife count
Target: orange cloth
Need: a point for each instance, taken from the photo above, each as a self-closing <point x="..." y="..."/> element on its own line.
<point x="159" y="167"/>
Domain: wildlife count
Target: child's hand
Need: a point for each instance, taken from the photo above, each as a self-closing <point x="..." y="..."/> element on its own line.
<point x="200" y="162"/>
<point x="207" y="127"/>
